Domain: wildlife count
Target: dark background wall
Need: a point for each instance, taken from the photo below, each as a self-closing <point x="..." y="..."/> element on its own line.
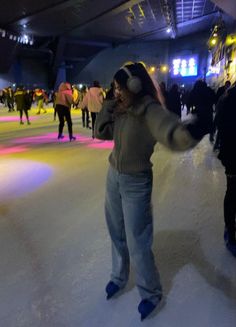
<point x="28" y="72"/>
<point x="34" y="69"/>
<point x="8" y="50"/>
<point x="107" y="62"/>
<point x="7" y="53"/>
<point x="33" y="73"/>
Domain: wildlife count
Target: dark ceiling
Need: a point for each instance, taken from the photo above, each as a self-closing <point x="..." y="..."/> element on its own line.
<point x="88" y="26"/>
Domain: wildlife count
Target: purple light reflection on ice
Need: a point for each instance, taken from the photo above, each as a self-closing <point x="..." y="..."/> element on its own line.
<point x="19" y="177"/>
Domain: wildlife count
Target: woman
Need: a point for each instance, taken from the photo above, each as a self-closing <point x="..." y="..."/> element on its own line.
<point x="84" y="109"/>
<point x="136" y="121"/>
<point x="64" y="100"/>
<point x="22" y="104"/>
<point x="93" y="101"/>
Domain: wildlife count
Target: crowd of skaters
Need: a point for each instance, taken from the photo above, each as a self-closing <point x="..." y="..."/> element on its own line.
<point x="21" y="100"/>
<point x="88" y="99"/>
<point x="202" y="99"/>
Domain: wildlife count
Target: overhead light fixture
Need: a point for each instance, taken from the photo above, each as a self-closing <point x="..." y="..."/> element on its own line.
<point x="152" y="69"/>
<point x="24" y="25"/>
<point x="25" y="39"/>
<point x="168" y="30"/>
<point x="213" y="41"/>
<point x="164" y="68"/>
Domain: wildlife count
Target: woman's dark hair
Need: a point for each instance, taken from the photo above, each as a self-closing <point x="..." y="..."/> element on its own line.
<point x="137" y="69"/>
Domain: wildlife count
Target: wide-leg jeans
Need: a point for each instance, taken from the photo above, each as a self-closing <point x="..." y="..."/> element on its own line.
<point x="129" y="219"/>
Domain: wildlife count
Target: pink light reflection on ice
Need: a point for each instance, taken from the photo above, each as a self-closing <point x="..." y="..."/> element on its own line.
<point x="102" y="145"/>
<point x="39" y="139"/>
<point x="12" y="149"/>
<point x="52" y="138"/>
<point x="95" y="143"/>
<point x="14" y="119"/>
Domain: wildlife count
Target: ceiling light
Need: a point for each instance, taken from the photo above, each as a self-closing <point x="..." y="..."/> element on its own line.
<point x="164" y="69"/>
<point x="168" y="30"/>
<point x="25" y="39"/>
<point x="152" y="69"/>
<point x="213" y="41"/>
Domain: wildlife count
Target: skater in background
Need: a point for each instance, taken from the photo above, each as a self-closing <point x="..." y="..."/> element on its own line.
<point x="40" y="98"/>
<point x="10" y="99"/>
<point x="64" y="100"/>
<point x="22" y="104"/>
<point x="54" y="97"/>
<point x="84" y="108"/>
<point x="93" y="101"/>
<point x="203" y="98"/>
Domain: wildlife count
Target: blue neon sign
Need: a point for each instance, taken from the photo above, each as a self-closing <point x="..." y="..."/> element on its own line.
<point x="186" y="66"/>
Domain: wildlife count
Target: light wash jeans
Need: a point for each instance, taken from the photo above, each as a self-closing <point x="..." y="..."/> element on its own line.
<point x="129" y="220"/>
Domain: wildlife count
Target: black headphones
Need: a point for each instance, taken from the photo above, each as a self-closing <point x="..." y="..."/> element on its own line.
<point x="134" y="83"/>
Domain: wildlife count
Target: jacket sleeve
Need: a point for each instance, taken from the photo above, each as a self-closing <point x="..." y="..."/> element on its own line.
<point x="166" y="128"/>
<point x="104" y="124"/>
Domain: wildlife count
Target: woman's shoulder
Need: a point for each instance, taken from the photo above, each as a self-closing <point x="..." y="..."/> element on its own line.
<point x="145" y="104"/>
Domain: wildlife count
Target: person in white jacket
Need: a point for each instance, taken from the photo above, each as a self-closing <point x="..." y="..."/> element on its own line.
<point x="93" y="101"/>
